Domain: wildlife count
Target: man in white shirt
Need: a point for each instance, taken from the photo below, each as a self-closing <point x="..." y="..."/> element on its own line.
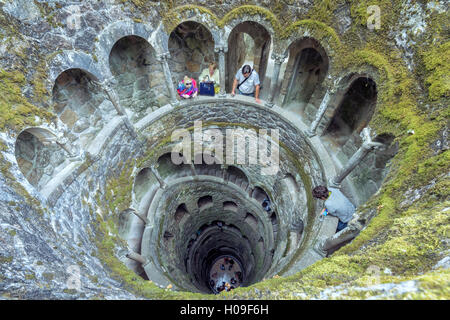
<point x="247" y="83"/>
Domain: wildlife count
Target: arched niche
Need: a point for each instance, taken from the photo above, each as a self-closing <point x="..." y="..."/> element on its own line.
<point x="259" y="194"/>
<point x="166" y="167"/>
<point x="306" y="70"/>
<point x="205" y="202"/>
<point x="238" y="41"/>
<point x="81" y="104"/>
<point x="180" y="212"/>
<point x="37" y="157"/>
<point x="140" y="78"/>
<point x="354" y="111"/>
<point x="237" y="176"/>
<point x="191" y="48"/>
<point x="143" y="182"/>
<point x="207" y="164"/>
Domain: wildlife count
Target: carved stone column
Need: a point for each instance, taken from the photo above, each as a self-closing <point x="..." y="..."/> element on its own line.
<point x="139" y="215"/>
<point x="54" y="138"/>
<point x="221" y="50"/>
<point x="348" y="233"/>
<point x="311" y="132"/>
<point x="162" y="58"/>
<point x="192" y="168"/>
<point x="136" y="257"/>
<point x="155" y="172"/>
<point x="64" y="144"/>
<point x="279" y="59"/>
<point x="108" y="87"/>
<point x="367" y="146"/>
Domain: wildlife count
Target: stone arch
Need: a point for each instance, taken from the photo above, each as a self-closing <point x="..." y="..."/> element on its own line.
<point x="355" y="107"/>
<point x="123" y="28"/>
<point x="259" y="194"/>
<point x="74" y="60"/>
<point x="207" y="164"/>
<point x="196" y="14"/>
<point x="180" y="212"/>
<point x="205" y="202"/>
<point x="166" y="167"/>
<point x="305" y="73"/>
<point x="325" y="36"/>
<point x="251" y="13"/>
<point x="236" y="49"/>
<point x="237" y="176"/>
<point x="230" y="206"/>
<point x="81" y="104"/>
<point x="140" y="77"/>
<point x="38" y="155"/>
<point x="191" y="47"/>
<point x="251" y="220"/>
<point x="143" y="182"/>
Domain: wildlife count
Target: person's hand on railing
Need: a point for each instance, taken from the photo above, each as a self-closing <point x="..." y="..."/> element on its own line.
<point x="258" y="100"/>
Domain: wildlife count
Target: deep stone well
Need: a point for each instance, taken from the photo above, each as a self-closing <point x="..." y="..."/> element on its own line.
<point x="91" y="205"/>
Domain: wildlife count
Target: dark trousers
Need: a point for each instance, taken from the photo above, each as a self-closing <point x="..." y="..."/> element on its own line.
<point x="247" y="94"/>
<point x="341" y="225"/>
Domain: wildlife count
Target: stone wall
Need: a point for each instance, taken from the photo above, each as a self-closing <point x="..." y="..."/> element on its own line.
<point x="37" y="161"/>
<point x="406" y="237"/>
<point x="140" y="79"/>
<point x="191" y="48"/>
<point x="81" y="105"/>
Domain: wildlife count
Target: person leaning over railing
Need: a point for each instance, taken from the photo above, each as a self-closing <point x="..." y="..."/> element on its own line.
<point x="247" y="83"/>
<point x="336" y="204"/>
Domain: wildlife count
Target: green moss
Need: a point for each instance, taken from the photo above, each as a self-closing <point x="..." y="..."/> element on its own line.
<point x="48" y="12"/>
<point x="359" y="12"/>
<point x="318" y="30"/>
<point x="174" y="17"/>
<point x="107" y="240"/>
<point x="405" y="239"/>
<point x="41" y="94"/>
<point x="251" y="10"/>
<point x="17" y="112"/>
<point x="48" y="276"/>
<point x="438" y="69"/>
<point x="118" y="194"/>
<point x="6" y="260"/>
<point x="321" y="11"/>
<point x="70" y="291"/>
<point x="30" y="276"/>
<point x="94" y="279"/>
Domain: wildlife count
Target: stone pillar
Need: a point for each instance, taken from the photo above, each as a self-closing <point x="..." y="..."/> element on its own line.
<point x="279" y="59"/>
<point x="107" y="86"/>
<point x="155" y="172"/>
<point x="311" y="132"/>
<point x="192" y="167"/>
<point x="348" y="233"/>
<point x="221" y="50"/>
<point x="60" y="141"/>
<point x="136" y="257"/>
<point x="367" y="146"/>
<point x="162" y="58"/>
<point x="140" y="216"/>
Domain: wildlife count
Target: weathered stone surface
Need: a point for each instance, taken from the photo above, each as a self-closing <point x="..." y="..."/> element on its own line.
<point x="43" y="236"/>
<point x="69" y="117"/>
